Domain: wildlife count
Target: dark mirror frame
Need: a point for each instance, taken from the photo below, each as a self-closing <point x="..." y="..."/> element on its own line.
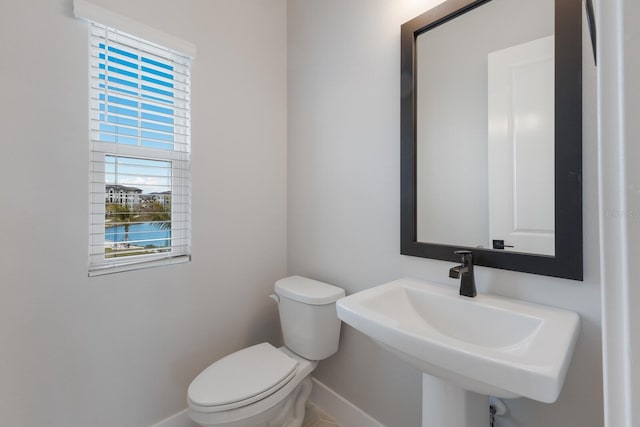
<point x="567" y="262"/>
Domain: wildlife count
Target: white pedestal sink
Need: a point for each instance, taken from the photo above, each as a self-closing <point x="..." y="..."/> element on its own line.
<point x="487" y="345"/>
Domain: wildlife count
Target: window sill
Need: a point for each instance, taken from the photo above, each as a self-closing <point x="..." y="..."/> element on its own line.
<point x="130" y="266"/>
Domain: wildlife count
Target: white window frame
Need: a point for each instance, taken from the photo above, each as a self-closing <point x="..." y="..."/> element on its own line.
<point x="180" y="158"/>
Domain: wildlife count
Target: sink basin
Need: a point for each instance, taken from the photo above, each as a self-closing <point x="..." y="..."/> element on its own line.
<point x="488" y="344"/>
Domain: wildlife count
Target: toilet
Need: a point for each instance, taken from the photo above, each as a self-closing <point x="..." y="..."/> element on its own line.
<point x="265" y="386"/>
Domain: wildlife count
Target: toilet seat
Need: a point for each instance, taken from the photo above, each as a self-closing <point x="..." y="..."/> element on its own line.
<point x="242" y="378"/>
<point x="245" y="415"/>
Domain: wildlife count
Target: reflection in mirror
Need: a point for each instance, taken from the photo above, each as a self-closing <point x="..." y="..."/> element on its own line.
<point x="485" y="128"/>
<point x="491" y="134"/>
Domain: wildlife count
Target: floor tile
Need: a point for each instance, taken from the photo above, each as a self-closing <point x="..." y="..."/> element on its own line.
<point x="316" y="417"/>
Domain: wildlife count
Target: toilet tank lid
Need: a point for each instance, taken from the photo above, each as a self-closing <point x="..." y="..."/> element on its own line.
<point x="308" y="291"/>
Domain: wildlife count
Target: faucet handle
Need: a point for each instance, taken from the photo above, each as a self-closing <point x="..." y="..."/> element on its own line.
<point x="466" y="255"/>
<point x="463" y="252"/>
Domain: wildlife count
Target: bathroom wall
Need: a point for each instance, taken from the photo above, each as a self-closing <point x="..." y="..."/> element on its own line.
<point x="120" y="350"/>
<point x="343" y="207"/>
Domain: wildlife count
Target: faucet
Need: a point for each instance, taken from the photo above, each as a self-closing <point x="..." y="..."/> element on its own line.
<point x="464" y="272"/>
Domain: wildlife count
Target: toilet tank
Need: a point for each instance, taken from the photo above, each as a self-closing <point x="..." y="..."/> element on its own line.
<point x="310" y="325"/>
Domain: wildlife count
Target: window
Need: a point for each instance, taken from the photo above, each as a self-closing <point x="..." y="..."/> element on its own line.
<point x="140" y="163"/>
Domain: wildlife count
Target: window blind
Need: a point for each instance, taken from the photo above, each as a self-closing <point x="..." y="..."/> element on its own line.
<point x="140" y="165"/>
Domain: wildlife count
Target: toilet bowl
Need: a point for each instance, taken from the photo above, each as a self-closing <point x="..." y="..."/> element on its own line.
<point x="247" y="401"/>
<point x="265" y="386"/>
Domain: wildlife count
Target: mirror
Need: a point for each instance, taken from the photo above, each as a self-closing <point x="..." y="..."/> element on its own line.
<point x="491" y="134"/>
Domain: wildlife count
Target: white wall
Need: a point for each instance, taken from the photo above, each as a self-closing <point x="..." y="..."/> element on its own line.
<point x="343" y="207"/>
<point x="120" y="350"/>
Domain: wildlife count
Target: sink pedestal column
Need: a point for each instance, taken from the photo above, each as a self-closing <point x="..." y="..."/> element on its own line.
<point x="444" y="404"/>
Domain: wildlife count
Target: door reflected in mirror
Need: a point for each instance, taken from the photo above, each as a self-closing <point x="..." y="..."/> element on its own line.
<point x="485" y="129"/>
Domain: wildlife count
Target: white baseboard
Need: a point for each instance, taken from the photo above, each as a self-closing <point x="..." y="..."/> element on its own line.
<point x="337" y="407"/>
<point x="180" y="419"/>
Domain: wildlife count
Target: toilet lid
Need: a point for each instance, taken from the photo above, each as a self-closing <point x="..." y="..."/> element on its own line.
<point x="242" y="377"/>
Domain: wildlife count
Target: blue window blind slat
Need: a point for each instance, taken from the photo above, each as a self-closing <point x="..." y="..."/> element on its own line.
<point x="157" y="73"/>
<point x="118" y="130"/>
<point x="156" y="126"/>
<point x="156" y="118"/>
<point x="122" y="52"/>
<point x="121" y="90"/>
<point x="125" y="82"/>
<point x="155" y="98"/>
<point x="123" y="62"/>
<point x="156" y="90"/>
<point x="123" y="111"/>
<point x="122" y="101"/>
<point x="157" y="64"/>
<point x="119" y="70"/>
<point x="156" y="135"/>
<point x="120" y="120"/>
<point x="156" y="81"/>
<point x="157" y="109"/>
